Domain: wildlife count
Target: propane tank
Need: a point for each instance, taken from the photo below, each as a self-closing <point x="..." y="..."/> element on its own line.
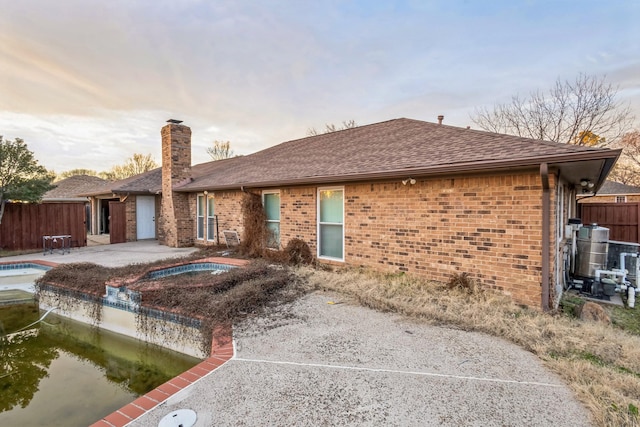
<point x="631" y="296"/>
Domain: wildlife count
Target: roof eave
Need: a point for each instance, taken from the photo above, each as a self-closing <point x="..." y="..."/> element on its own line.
<point x="475" y="167"/>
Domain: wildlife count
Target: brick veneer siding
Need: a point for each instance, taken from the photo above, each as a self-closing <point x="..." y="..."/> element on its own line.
<point x="131" y="226"/>
<point x="487" y="226"/>
<point x="175" y="225"/>
<point x="609" y="198"/>
<point x="228" y="208"/>
<point x="298" y="216"/>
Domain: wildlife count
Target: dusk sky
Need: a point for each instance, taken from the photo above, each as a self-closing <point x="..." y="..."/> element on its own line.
<point x="89" y="83"/>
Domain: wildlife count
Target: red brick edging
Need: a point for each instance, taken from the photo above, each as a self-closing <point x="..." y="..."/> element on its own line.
<point x="221" y="352"/>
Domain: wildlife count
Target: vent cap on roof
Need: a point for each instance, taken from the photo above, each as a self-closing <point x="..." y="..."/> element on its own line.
<point x="174" y="121"/>
<point x="440" y="119"/>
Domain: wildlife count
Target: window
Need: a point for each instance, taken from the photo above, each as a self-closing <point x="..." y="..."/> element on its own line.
<point x="560" y="220"/>
<point x="271" y="202"/>
<point x="211" y="219"/>
<point x="331" y="223"/>
<point x="200" y="217"/>
<point x="621" y="199"/>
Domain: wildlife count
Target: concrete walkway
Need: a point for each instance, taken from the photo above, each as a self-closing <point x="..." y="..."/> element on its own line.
<point x="116" y="255"/>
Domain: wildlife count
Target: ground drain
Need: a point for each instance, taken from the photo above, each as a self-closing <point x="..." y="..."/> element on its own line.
<point x="179" y="418"/>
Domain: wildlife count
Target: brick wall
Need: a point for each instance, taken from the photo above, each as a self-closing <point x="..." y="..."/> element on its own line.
<point x="487" y="226"/>
<point x="228" y="208"/>
<point x="298" y="215"/>
<point x="176" y="228"/>
<point x="609" y="198"/>
<point x="131" y="220"/>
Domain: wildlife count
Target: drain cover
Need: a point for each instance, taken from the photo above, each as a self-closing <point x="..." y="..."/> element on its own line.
<point x="179" y="418"/>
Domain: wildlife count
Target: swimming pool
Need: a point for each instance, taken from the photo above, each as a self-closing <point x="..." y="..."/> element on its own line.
<point x="63" y="372"/>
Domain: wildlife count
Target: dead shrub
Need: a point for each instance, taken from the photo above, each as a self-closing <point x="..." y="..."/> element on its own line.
<point x="462" y="281"/>
<point x="298" y="252"/>
<point x="226" y="298"/>
<point x="255" y="233"/>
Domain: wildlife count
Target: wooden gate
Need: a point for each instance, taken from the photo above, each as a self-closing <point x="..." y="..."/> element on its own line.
<point x="24" y="224"/>
<point x="117" y="222"/>
<point x="620" y="218"/>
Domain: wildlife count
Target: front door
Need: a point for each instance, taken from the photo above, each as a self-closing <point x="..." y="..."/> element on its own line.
<point x="146" y="217"/>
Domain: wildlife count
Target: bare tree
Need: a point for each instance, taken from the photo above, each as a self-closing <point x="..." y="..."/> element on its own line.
<point x="135" y="165"/>
<point x="571" y="112"/>
<point x="627" y="169"/>
<point x="220" y="150"/>
<point x="73" y="172"/>
<point x="330" y="127"/>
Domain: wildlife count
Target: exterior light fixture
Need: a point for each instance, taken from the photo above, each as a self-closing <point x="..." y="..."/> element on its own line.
<point x="586" y="185"/>
<point x="409" y="180"/>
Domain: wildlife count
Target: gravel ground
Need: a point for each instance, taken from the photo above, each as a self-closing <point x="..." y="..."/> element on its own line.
<point x="317" y="364"/>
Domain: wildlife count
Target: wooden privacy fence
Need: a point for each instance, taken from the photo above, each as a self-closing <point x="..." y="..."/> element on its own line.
<point x="620" y="218"/>
<point x="24" y="224"/>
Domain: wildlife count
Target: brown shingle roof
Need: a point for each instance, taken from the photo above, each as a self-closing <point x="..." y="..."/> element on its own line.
<point x="73" y="187"/>
<point x="145" y="183"/>
<point x="388" y="149"/>
<point x="612" y="187"/>
<point x="148" y="182"/>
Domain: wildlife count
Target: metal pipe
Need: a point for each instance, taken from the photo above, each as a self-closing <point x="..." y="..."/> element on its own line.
<point x="546" y="229"/>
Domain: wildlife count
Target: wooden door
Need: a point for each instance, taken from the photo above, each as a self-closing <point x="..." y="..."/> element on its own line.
<point x="117" y="222"/>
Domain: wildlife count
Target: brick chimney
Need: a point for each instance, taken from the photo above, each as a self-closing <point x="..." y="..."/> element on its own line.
<point x="175" y="227"/>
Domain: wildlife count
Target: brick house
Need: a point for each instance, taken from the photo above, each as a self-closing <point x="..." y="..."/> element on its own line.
<point x="613" y="192"/>
<point x="399" y="196"/>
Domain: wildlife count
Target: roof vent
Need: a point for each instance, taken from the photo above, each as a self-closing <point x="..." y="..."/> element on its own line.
<point x="440" y="119"/>
<point x="174" y="121"/>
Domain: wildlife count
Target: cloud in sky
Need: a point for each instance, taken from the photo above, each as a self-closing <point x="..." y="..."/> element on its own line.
<point x="87" y="84"/>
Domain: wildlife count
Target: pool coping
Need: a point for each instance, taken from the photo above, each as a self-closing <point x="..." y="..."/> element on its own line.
<point x="222" y="350"/>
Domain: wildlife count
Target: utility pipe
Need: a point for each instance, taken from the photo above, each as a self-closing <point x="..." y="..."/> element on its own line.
<point x="546" y="229"/>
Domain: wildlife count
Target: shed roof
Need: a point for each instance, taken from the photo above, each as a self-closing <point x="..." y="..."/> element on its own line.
<point x="614" y="188"/>
<point x="145" y="183"/>
<point x="73" y="188"/>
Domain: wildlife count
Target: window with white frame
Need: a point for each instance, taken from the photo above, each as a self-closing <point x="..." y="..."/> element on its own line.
<point x="621" y="199"/>
<point x="560" y="217"/>
<point x="211" y="218"/>
<point x="200" y="217"/>
<point x="271" y="202"/>
<point x="331" y="223"/>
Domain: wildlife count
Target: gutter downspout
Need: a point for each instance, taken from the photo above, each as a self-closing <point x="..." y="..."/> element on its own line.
<point x="546" y="228"/>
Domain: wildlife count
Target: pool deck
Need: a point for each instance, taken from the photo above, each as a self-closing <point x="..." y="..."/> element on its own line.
<point x="325" y="360"/>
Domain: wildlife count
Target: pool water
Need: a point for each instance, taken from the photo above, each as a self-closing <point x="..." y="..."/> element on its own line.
<point x="62" y="372"/>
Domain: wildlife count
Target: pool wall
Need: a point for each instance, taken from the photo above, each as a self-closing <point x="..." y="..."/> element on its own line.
<point x="21" y="273"/>
<point x="120" y="316"/>
<point x="175" y="336"/>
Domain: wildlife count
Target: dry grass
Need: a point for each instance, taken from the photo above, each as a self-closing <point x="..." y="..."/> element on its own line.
<point x="600" y="363"/>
